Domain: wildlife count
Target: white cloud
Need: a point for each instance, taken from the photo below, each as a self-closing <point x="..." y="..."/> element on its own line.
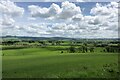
<point x="66" y="20"/>
<point x="54" y="9"/>
<point x="59" y="26"/>
<point x="103" y="22"/>
<point x="78" y="17"/>
<point x="67" y="10"/>
<point x="64" y="26"/>
<point x="106" y="17"/>
<point x="93" y="20"/>
<point x="106" y="14"/>
<point x="105" y="10"/>
<point x="0" y="27"/>
<point x="35" y="29"/>
<point x="10" y="8"/>
<point x="113" y="4"/>
<point x="8" y="21"/>
<point x="31" y="18"/>
<point x="37" y="11"/>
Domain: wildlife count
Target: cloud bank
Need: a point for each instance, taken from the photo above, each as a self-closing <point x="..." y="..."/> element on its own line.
<point x="65" y="20"/>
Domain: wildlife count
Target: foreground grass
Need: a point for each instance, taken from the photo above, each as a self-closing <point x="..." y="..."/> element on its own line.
<point x="49" y="63"/>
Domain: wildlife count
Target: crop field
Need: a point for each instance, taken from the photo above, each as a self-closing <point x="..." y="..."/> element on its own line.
<point x="49" y="62"/>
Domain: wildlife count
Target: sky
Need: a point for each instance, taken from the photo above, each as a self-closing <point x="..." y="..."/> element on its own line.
<point x="64" y="0"/>
<point x="59" y="19"/>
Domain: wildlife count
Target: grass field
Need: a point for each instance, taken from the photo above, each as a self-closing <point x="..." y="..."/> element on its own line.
<point x="50" y="63"/>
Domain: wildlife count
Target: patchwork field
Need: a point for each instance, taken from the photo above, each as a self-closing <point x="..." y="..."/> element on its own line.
<point x="49" y="62"/>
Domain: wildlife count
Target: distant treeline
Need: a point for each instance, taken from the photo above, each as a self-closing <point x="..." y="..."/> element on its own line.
<point x="85" y="49"/>
<point x="83" y="46"/>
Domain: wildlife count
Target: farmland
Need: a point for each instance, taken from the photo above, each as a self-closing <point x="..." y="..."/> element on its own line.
<point x="60" y="59"/>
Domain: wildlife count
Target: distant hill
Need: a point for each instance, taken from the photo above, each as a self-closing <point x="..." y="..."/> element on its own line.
<point x="35" y="38"/>
<point x="52" y="38"/>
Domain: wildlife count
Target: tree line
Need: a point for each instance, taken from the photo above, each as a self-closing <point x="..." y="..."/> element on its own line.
<point x="83" y="49"/>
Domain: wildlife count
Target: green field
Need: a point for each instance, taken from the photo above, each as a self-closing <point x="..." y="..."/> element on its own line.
<point x="49" y="62"/>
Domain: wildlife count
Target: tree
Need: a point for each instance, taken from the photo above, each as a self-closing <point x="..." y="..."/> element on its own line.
<point x="58" y="42"/>
<point x="61" y="51"/>
<point x="83" y="49"/>
<point x="91" y="49"/>
<point x="95" y="44"/>
<point x="72" y="49"/>
<point x="107" y="48"/>
<point x="80" y="49"/>
<point x="111" y="49"/>
<point x="85" y="44"/>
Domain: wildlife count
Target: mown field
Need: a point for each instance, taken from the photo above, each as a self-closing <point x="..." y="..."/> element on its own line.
<point x="49" y="62"/>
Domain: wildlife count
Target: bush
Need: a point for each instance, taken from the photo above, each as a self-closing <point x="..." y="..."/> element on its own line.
<point x="91" y="49"/>
<point x="61" y="51"/>
<point x="72" y="49"/>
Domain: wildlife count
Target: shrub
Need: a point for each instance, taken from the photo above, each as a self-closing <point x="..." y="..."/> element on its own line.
<point x="72" y="49"/>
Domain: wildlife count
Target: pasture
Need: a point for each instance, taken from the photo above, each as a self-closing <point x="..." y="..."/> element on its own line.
<point x="49" y="62"/>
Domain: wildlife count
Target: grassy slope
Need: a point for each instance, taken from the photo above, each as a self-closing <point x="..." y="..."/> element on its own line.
<point x="42" y="62"/>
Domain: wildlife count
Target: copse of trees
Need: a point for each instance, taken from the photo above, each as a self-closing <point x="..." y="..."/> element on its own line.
<point x="31" y="41"/>
<point x="102" y="45"/>
<point x="81" y="49"/>
<point x="53" y="42"/>
<point x="9" y="42"/>
<point x="72" y="49"/>
<point x="112" y="49"/>
<point x="41" y="42"/>
<point x="115" y="42"/>
<point x="58" y="42"/>
<point x="85" y="44"/>
<point x="91" y="49"/>
<point x="85" y="49"/>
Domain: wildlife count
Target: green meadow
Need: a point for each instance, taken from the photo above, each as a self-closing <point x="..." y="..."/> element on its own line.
<point x="49" y="62"/>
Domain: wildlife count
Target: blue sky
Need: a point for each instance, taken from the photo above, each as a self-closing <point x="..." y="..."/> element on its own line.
<point x="84" y="5"/>
<point x="64" y="0"/>
<point x="60" y="19"/>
